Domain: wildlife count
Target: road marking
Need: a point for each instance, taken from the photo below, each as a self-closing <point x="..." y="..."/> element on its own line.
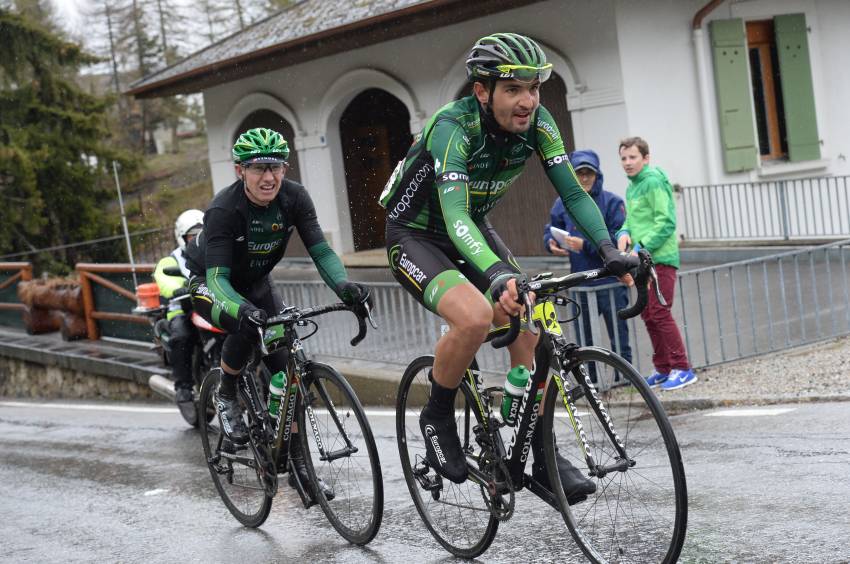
<point x="759" y="412"/>
<point x="157" y="491"/>
<point x="90" y="407"/>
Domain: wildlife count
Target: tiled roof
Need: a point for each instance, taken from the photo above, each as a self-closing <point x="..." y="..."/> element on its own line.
<point x="302" y="20"/>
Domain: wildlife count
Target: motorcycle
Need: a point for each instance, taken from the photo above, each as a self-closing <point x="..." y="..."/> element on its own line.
<point x="206" y="353"/>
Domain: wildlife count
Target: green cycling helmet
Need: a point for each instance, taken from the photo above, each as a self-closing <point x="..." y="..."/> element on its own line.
<point x="508" y="56"/>
<point x="260" y="145"/>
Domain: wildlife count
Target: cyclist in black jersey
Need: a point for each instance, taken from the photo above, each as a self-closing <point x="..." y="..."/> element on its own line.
<point x="444" y="252"/>
<point x="246" y="229"/>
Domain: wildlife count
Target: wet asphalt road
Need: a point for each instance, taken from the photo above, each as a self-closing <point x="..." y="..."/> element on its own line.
<point x="129" y="485"/>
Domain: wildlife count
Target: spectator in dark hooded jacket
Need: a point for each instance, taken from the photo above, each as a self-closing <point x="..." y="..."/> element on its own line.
<point x="583" y="254"/>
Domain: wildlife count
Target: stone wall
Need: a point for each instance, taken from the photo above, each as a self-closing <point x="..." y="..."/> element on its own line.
<point x="23" y="379"/>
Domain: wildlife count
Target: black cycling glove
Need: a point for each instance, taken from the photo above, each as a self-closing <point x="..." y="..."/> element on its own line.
<point x="499" y="274"/>
<point x="251" y="318"/>
<point x="353" y="293"/>
<point x="616" y="261"/>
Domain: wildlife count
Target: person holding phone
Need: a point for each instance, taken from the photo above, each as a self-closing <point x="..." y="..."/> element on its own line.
<point x="562" y="238"/>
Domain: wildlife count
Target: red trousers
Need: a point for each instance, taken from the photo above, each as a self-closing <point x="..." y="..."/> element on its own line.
<point x="668" y="350"/>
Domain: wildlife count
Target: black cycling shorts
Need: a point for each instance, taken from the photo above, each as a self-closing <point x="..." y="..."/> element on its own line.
<point x="427" y="264"/>
<point x="237" y="347"/>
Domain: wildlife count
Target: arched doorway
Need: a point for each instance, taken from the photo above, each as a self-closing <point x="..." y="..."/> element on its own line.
<point x="375" y="135"/>
<point x="520" y="216"/>
<point x="272" y="120"/>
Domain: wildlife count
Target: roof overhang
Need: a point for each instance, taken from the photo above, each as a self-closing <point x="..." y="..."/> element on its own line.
<point x="355" y="35"/>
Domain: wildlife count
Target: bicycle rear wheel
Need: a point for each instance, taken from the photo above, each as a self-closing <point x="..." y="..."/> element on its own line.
<point x="639" y="510"/>
<point x="235" y="470"/>
<point x="456" y="514"/>
<point x="340" y="449"/>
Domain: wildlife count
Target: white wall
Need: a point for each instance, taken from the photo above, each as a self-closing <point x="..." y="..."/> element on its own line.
<point x="662" y="90"/>
<point x="630" y="69"/>
<point x="424" y="71"/>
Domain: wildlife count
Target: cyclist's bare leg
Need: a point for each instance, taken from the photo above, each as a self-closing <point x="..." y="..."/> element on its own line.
<point x="468" y="315"/>
<point x="521" y="350"/>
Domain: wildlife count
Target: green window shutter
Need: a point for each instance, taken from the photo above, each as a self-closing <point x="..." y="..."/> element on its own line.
<point x="732" y="78"/>
<point x="798" y="96"/>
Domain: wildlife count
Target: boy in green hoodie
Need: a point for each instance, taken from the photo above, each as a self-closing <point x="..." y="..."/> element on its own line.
<point x="651" y="224"/>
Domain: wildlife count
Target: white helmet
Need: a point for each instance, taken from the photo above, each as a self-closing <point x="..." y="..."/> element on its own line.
<point x="186" y="221"/>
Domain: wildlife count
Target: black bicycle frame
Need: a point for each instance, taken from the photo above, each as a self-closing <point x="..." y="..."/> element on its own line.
<point x="297" y="369"/>
<point x="515" y="454"/>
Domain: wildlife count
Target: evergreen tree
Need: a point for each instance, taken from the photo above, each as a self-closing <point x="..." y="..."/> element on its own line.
<point x="54" y="147"/>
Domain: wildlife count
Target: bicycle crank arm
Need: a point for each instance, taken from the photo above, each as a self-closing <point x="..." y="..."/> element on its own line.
<point x="249" y="462"/>
<point x="306" y="499"/>
<point x="537" y="489"/>
<point x="341" y="453"/>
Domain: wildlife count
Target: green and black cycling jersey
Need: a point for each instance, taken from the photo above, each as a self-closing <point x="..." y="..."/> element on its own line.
<point x="241" y="243"/>
<point x="462" y="164"/>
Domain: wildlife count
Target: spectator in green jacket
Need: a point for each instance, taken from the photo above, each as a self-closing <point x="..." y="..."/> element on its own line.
<point x="651" y="224"/>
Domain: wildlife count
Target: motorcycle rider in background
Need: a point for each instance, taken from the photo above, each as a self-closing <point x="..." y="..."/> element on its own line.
<point x="181" y="332"/>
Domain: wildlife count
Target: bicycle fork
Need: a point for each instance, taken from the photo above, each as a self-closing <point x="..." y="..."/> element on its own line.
<point x="622" y="462"/>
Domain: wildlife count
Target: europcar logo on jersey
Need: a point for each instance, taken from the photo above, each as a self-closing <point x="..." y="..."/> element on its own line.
<point x="393" y="256"/>
<point x="493" y="187"/>
<point x="547" y="127"/>
<point x="412" y="270"/>
<point x="462" y="231"/>
<point x="254" y="247"/>
<point x="410" y="190"/>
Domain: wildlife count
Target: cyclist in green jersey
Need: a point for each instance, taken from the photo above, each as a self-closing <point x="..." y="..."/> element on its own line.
<point x="443" y="250"/>
<point x="246" y="230"/>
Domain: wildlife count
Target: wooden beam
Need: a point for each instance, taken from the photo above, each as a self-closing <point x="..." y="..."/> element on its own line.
<point x="88" y="306"/>
<point x="113" y="316"/>
<point x="111" y="286"/>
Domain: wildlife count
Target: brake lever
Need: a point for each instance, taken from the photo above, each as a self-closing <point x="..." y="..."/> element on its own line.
<point x="372" y="321"/>
<point x="529" y="314"/>
<point x="263" y="348"/>
<point x="654" y="276"/>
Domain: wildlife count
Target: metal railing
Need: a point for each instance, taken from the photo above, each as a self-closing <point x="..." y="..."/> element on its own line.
<point x="769" y="304"/>
<point x="149" y="245"/>
<point x="725" y="312"/>
<point x="808" y="208"/>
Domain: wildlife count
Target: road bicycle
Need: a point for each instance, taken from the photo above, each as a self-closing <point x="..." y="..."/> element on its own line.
<point x="621" y="439"/>
<point x="335" y="435"/>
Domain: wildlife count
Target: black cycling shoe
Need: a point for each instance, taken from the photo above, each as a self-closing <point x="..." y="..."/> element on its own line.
<point x="442" y="446"/>
<point x="297" y="458"/>
<point x="185" y="399"/>
<point x="576" y="485"/>
<point x="230" y="419"/>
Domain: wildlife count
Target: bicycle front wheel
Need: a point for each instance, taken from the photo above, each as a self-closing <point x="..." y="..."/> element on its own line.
<point x="235" y="470"/>
<point x="639" y="510"/>
<point x="340" y="450"/>
<point x="457" y="515"/>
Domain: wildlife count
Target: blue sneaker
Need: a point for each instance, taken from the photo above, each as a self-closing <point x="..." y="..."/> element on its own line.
<point x="656" y="379"/>
<point x="679" y="379"/>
